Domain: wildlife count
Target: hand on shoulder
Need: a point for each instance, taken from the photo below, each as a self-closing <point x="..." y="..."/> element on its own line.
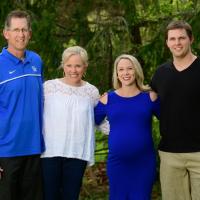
<point x="104" y="98"/>
<point x="153" y="95"/>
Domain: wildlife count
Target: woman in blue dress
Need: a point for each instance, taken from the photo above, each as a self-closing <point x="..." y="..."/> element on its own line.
<point x="131" y="165"/>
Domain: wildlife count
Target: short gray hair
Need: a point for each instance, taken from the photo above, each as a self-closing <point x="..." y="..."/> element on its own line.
<point x="74" y="50"/>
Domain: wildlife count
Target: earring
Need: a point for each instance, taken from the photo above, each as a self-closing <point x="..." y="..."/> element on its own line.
<point x="84" y="74"/>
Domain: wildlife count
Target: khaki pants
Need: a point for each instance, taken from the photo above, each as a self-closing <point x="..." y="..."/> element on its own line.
<point x="180" y="175"/>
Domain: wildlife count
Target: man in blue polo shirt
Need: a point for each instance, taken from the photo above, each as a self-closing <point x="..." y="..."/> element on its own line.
<point x="21" y="140"/>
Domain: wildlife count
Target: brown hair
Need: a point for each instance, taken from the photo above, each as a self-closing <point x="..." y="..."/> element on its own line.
<point x="17" y="14"/>
<point x="179" y="24"/>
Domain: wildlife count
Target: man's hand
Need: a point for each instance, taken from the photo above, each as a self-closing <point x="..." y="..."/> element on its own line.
<point x="1" y="172"/>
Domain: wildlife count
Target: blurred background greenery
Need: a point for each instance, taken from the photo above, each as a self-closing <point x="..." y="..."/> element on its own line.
<point x="106" y="29"/>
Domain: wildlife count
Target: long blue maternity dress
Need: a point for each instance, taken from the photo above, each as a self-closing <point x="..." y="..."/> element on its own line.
<point x="131" y="165"/>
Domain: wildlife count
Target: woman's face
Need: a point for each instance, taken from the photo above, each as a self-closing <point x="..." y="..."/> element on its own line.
<point x="126" y="72"/>
<point x="74" y="68"/>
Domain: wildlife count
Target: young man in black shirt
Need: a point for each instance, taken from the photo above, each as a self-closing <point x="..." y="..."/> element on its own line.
<point x="178" y="85"/>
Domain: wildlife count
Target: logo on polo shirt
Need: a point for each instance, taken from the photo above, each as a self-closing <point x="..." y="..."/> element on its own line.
<point x="11" y="72"/>
<point x="34" y="68"/>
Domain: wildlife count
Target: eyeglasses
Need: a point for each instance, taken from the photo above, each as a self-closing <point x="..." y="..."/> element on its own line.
<point x="17" y="30"/>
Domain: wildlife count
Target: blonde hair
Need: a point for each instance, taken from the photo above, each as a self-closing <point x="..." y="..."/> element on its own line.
<point x="74" y="50"/>
<point x="139" y="76"/>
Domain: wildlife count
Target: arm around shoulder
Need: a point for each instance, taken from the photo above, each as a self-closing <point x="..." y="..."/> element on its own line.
<point x="104" y="126"/>
<point x="156" y="103"/>
<point x="100" y="109"/>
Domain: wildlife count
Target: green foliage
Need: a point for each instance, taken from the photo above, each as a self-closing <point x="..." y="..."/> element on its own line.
<point x="106" y="29"/>
<point x="101" y="147"/>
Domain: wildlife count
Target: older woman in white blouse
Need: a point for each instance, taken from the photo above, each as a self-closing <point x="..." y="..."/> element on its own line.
<point x="68" y="127"/>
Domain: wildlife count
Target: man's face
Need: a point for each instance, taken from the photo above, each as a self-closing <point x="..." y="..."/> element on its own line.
<point x="179" y="43"/>
<point x="17" y="35"/>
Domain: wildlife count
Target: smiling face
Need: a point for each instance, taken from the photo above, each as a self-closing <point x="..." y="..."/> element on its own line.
<point x="17" y="35"/>
<point x="74" y="68"/>
<point x="179" y="43"/>
<point x="126" y="72"/>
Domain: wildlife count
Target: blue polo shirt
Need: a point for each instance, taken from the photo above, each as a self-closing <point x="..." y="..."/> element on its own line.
<point x="21" y="102"/>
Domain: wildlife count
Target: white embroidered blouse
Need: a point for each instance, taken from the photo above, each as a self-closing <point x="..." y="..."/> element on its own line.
<point x="69" y="120"/>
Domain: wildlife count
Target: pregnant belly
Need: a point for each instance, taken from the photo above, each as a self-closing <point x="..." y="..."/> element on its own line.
<point x="129" y="146"/>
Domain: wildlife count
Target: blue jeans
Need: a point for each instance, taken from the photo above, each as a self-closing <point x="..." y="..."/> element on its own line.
<point x="62" y="178"/>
